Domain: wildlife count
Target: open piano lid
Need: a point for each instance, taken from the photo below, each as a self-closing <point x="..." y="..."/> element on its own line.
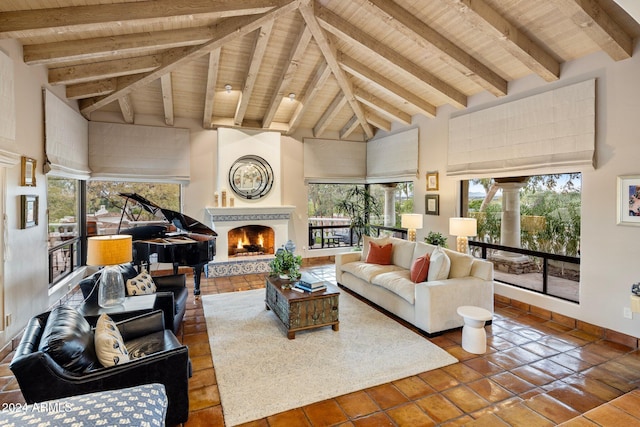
<point x="181" y="221"/>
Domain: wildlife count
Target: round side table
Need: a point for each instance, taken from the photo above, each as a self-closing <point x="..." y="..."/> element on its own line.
<point x="474" y="337"/>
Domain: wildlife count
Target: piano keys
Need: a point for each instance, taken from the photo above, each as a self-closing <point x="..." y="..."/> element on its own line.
<point x="193" y="244"/>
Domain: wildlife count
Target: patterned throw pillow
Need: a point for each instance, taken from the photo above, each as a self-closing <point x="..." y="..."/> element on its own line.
<point x="142" y="284"/>
<point x="109" y="344"/>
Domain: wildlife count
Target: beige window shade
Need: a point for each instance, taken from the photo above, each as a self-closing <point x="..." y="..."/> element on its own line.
<point x="66" y="139"/>
<point x="139" y="153"/>
<point x="393" y="158"/>
<point x="551" y="132"/>
<point x="332" y="161"/>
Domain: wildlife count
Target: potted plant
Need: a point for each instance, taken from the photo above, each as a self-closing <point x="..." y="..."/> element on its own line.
<point x="436" y="238"/>
<point x="286" y="264"/>
<point x="358" y="204"/>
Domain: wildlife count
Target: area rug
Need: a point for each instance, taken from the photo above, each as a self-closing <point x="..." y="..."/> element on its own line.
<point x="260" y="372"/>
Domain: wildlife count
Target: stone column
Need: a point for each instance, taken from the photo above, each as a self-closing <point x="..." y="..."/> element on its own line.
<point x="510" y="224"/>
<point x="389" y="205"/>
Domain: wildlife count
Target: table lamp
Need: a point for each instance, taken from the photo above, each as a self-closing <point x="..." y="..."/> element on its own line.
<point x="463" y="228"/>
<point x="411" y="222"/>
<point x="109" y="251"/>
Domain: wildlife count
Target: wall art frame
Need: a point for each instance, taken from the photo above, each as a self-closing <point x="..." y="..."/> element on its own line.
<point x="28" y="172"/>
<point x="432" y="204"/>
<point x="432" y="181"/>
<point x="28" y="211"/>
<point x="628" y="200"/>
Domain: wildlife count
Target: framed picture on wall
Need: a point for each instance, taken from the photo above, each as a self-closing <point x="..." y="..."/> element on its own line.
<point x="28" y="172"/>
<point x="628" y="200"/>
<point x="432" y="204"/>
<point x="432" y="181"/>
<point x="28" y="211"/>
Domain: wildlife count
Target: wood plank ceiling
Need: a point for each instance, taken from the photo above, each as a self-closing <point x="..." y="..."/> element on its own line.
<point x="351" y="67"/>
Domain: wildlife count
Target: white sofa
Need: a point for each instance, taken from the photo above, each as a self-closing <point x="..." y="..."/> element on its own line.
<point x="430" y="305"/>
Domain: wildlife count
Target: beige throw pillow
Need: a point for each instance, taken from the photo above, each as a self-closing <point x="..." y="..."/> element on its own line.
<point x="142" y="284"/>
<point x="439" y="265"/>
<point x="110" y="348"/>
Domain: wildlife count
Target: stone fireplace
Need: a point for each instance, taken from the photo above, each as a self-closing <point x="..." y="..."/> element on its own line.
<point x="233" y="223"/>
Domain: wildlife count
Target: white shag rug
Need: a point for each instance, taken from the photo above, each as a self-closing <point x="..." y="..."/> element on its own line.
<point x="260" y="372"/>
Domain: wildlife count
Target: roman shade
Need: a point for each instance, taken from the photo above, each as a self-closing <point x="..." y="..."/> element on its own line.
<point x="332" y="161"/>
<point x="66" y="139"/>
<point x="551" y="132"/>
<point x="138" y="153"/>
<point x="393" y="158"/>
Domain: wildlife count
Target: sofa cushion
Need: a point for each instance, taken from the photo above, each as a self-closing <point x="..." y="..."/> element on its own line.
<point x="109" y="344"/>
<point x="367" y="272"/>
<point x="67" y="338"/>
<point x="439" y="265"/>
<point x="379" y="254"/>
<point x="460" y="264"/>
<point x="420" y="269"/>
<point x="142" y="284"/>
<point x="402" y="253"/>
<point x="397" y="282"/>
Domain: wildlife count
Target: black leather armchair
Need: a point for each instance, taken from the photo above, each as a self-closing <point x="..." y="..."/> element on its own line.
<point x="157" y="357"/>
<point x="171" y="295"/>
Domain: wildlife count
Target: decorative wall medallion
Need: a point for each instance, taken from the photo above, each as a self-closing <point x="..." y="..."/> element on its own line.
<point x="251" y="177"/>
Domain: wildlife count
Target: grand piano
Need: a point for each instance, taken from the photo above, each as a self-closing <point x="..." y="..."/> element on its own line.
<point x="191" y="244"/>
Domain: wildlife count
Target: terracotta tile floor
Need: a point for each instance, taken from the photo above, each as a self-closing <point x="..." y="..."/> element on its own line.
<point x="536" y="372"/>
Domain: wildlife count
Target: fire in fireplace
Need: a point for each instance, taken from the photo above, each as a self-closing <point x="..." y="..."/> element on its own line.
<point x="250" y="240"/>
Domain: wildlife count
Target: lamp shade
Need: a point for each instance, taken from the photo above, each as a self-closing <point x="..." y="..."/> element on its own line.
<point x="109" y="250"/>
<point x="411" y="221"/>
<point x="463" y="227"/>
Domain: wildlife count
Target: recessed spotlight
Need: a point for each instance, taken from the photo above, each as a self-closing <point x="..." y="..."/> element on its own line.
<point x="228" y="88"/>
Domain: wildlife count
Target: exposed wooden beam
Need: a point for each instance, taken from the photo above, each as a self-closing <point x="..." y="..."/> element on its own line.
<point x="38" y="22"/>
<point x="227" y="30"/>
<point x="343" y="29"/>
<point x="89" y="89"/>
<point x="599" y="26"/>
<point x="329" y="114"/>
<point x="102" y="70"/>
<point x="126" y="106"/>
<point x="227" y="122"/>
<point x="295" y="56"/>
<point x="367" y="75"/>
<point x="313" y="88"/>
<point x="259" y="48"/>
<point x="378" y="121"/>
<point x="210" y="92"/>
<point x="349" y="128"/>
<point x="167" y="98"/>
<point x="383" y="107"/>
<point x="483" y="18"/>
<point x="329" y="53"/>
<point x="106" y="47"/>
<point x="426" y="37"/>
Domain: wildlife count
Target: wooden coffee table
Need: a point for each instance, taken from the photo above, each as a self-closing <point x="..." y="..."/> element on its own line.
<point x="299" y="311"/>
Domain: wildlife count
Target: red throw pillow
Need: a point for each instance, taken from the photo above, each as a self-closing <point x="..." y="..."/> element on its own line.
<point x="420" y="268"/>
<point x="379" y="254"/>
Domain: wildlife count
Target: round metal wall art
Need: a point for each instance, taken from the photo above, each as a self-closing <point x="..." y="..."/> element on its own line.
<point x="251" y="177"/>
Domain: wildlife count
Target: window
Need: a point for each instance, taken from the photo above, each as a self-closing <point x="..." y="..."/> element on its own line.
<point x="64" y="226"/>
<point x="104" y="203"/>
<point x="540" y="241"/>
<point x="333" y="208"/>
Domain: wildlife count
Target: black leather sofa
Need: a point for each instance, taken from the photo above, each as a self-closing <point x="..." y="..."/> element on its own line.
<point x="171" y="295"/>
<point x="56" y="359"/>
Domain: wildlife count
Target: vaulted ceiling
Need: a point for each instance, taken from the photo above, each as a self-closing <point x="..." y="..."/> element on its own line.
<point x="350" y="67"/>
